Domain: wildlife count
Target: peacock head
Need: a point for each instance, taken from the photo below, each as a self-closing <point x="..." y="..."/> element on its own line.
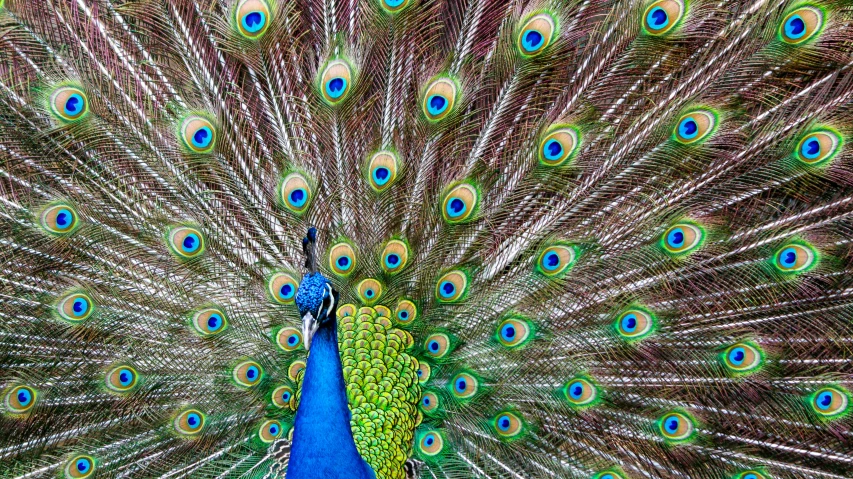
<point x="316" y="299"/>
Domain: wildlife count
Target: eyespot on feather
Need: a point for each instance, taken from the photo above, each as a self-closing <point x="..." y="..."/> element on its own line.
<point x="281" y="397"/>
<point x="189" y="422"/>
<point x="536" y="34"/>
<point x="556" y="259"/>
<point x="395" y="256"/>
<point x="289" y="339"/>
<point x="75" y="307"/>
<point x="80" y="467"/>
<point x="609" y="474"/>
<point x="634" y="324"/>
<point x="514" y="332"/>
<point x="209" y="321"/>
<point x="464" y="386"/>
<point x="439" y="98"/>
<point x="662" y="16"/>
<point x="59" y="219"/>
<point x="122" y="379"/>
<point x="346" y="310"/>
<point x="198" y="134"/>
<point x="830" y="402"/>
<point x="294" y="369"/>
<point x="795" y="258"/>
<point x="186" y="242"/>
<point x="282" y="288"/>
<point x="336" y="82"/>
<point x="20" y="399"/>
<point x="801" y="25"/>
<point x="580" y="392"/>
<point x="270" y="430"/>
<point x="247" y="374"/>
<point x="296" y="193"/>
<point x="818" y="147"/>
<point x="682" y="239"/>
<point x="750" y="474"/>
<point x="559" y="146"/>
<point x="394" y="6"/>
<point x="695" y="127"/>
<point x="676" y="427"/>
<point x="508" y="425"/>
<point x="451" y="287"/>
<point x="423" y="372"/>
<point x="429" y="403"/>
<point x="69" y="104"/>
<point x="382" y="170"/>
<point x="742" y="358"/>
<point x="342" y="259"/>
<point x="460" y="203"/>
<point x="430" y="443"/>
<point x="405" y="312"/>
<point x="437" y="345"/>
<point x="369" y="290"/>
<point x="252" y="18"/>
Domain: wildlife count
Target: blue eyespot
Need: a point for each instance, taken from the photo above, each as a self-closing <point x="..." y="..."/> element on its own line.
<point x="24" y="397"/>
<point x="336" y="87"/>
<point x="429" y="440"/>
<point x="795" y="27"/>
<point x="190" y="243"/>
<point x="810" y="149"/>
<point x="447" y="289"/>
<point x="404" y="315"/>
<point x="461" y="385"/>
<point x="436" y="104"/>
<point x="202" y="137"/>
<point x="672" y="424"/>
<point x="74" y="105"/>
<point x="125" y="377"/>
<point x="504" y="422"/>
<point x="508" y="332"/>
<point x="675" y="238"/>
<point x="64" y="219"/>
<point x="456" y="207"/>
<point x="274" y="429"/>
<point x="253" y="22"/>
<point x="824" y="400"/>
<point x="298" y="197"/>
<point x="657" y="18"/>
<point x="426" y="401"/>
<point x="551" y="261"/>
<point x="285" y="396"/>
<point x="214" y="322"/>
<point x="80" y="307"/>
<point x="343" y="262"/>
<point x="369" y="293"/>
<point x="252" y="372"/>
<point x="286" y="291"/>
<point x="532" y="40"/>
<point x="193" y="419"/>
<point x="393" y="260"/>
<point x="434" y="346"/>
<point x="381" y="175"/>
<point x="394" y="3"/>
<point x="688" y="128"/>
<point x="552" y="150"/>
<point x="750" y="476"/>
<point x="576" y="390"/>
<point x="788" y="257"/>
<point x="629" y="323"/>
<point x="737" y="355"/>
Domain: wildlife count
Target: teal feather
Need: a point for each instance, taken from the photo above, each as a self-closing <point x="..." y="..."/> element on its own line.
<point x="625" y="225"/>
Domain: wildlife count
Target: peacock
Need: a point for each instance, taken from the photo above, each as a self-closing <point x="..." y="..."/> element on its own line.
<point x="403" y="239"/>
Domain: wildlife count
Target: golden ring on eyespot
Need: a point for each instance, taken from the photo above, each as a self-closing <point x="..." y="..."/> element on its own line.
<point x="694" y="126"/>
<point x="253" y="18"/>
<point x="579" y="391"/>
<point x="289" y="338"/>
<point x="122" y="378"/>
<point x="406" y="312"/>
<point x="536" y="34"/>
<point x="296" y="193"/>
<point x="459" y="203"/>
<point x="76" y="307"/>
<point x="662" y="16"/>
<point x="382" y="170"/>
<point x="20" y="399"/>
<point x="818" y="146"/>
<point x="198" y="134"/>
<point x="451" y="287"/>
<point x="248" y="373"/>
<point x="336" y="82"/>
<point x="369" y="290"/>
<point x="439" y="99"/>
<point x="190" y="422"/>
<point x="395" y="256"/>
<point x="59" y="219"/>
<point x="342" y="259"/>
<point x="282" y="396"/>
<point x="801" y="25"/>
<point x="80" y="467"/>
<point x="210" y="321"/>
<point x="558" y="146"/>
<point x="437" y="345"/>
<point x="69" y="103"/>
<point x="270" y="430"/>
<point x="423" y="372"/>
<point x="186" y="242"/>
<point x="294" y="369"/>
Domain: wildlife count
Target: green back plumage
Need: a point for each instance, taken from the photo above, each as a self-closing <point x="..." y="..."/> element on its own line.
<point x="611" y="238"/>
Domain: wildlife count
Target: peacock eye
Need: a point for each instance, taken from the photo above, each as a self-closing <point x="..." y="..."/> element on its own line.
<point x="382" y="170"/>
<point x="295" y="193"/>
<point x="294" y="369"/>
<point x="75" y="307"/>
<point x="209" y="321"/>
<point x="795" y="258"/>
<point x="682" y="239"/>
<point x="695" y="127"/>
<point x="556" y="259"/>
<point x="406" y="312"/>
<point x="662" y="16"/>
<point x="369" y="290"/>
<point x="818" y="147"/>
<point x="460" y="203"/>
<point x="282" y="288"/>
<point x="514" y="332"/>
<point x="186" y="242"/>
<point x="59" y="219"/>
<point x="439" y="98"/>
<point x="558" y="146"/>
<point x="430" y="443"/>
<point x="750" y="475"/>
<point x="429" y="402"/>
<point x="69" y="103"/>
<point x="395" y="255"/>
<point x="281" y="397"/>
<point x="676" y="426"/>
<point x="742" y="358"/>
<point x="122" y="379"/>
<point x="189" y="422"/>
<point x="20" y="399"/>
<point x="608" y="475"/>
<point x="830" y="402"/>
<point x="248" y="374"/>
<point x="394" y="6"/>
<point x="198" y="134"/>
<point x="346" y="310"/>
<point x="253" y="18"/>
<point x="508" y="425"/>
<point x="270" y="430"/>
<point x="437" y="345"/>
<point x="580" y="392"/>
<point x="634" y="324"/>
<point x="464" y="386"/>
<point x="424" y="372"/>
<point x="451" y="287"/>
<point x="336" y="82"/>
<point x="342" y="259"/>
<point x="536" y="34"/>
<point x="79" y="467"/>
<point x="801" y="25"/>
<point x="289" y="338"/>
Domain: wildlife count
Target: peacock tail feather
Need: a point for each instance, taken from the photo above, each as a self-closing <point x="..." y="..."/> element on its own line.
<point x="603" y="239"/>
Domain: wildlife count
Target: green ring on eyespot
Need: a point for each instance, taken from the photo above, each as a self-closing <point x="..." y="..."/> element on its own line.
<point x="80" y="467"/>
<point x="830" y="402"/>
<point x="394" y="6"/>
<point x="439" y="98"/>
<point x="59" y="219"/>
<point x="69" y="103"/>
<point x="535" y="34"/>
<point x="252" y="18"/>
<point x="662" y="16"/>
<point x="801" y="25"/>
<point x="676" y="427"/>
<point x="795" y="258"/>
<point x="818" y="147"/>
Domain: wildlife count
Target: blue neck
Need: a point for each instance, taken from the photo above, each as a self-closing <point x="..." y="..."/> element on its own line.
<point x="323" y="446"/>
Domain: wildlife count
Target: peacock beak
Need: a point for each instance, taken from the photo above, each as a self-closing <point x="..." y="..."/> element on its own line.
<point x="310" y="325"/>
